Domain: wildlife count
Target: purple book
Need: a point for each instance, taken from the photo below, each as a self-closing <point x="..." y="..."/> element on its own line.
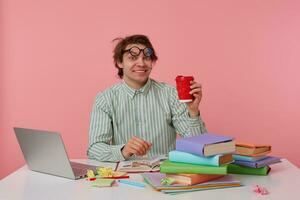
<point x="197" y="144"/>
<point x="260" y="163"/>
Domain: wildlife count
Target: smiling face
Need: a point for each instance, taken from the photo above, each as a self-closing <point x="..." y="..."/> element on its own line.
<point x="136" y="68"/>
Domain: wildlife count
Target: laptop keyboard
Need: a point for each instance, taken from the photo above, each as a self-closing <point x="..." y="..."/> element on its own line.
<point x="80" y="169"/>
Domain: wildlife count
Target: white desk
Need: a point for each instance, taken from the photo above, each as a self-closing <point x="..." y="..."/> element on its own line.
<point x="283" y="183"/>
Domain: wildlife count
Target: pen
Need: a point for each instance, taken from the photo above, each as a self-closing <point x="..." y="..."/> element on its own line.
<point x="132" y="183"/>
<point x="116" y="177"/>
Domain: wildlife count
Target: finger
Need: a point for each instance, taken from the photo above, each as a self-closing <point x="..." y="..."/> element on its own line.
<point x="133" y="142"/>
<point x="139" y="141"/>
<point x="196" y="85"/>
<point x="129" y="150"/>
<point x="149" y="147"/>
<point x="196" y="95"/>
<point x="197" y="90"/>
<point x="134" y="151"/>
<point x="142" y="142"/>
<point x="149" y="144"/>
<point x="197" y="98"/>
<point x="137" y="149"/>
<point x="141" y="148"/>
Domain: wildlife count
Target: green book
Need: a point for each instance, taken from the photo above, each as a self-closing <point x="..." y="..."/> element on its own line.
<point x="238" y="169"/>
<point x="169" y="167"/>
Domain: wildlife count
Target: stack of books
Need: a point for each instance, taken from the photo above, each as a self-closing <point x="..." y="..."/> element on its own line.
<point x="252" y="159"/>
<point x="198" y="163"/>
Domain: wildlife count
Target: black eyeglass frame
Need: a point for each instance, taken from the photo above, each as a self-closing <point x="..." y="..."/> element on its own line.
<point x="147" y="54"/>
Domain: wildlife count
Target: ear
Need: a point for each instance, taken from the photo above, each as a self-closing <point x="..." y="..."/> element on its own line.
<point x="153" y="63"/>
<point x="120" y="65"/>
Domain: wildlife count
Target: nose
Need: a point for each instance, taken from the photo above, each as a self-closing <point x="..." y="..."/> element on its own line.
<point x="141" y="61"/>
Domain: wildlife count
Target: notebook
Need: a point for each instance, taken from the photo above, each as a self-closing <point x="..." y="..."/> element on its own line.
<point x="154" y="180"/>
<point x="141" y="164"/>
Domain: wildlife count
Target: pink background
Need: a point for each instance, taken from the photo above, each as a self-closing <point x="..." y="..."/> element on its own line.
<point x="56" y="55"/>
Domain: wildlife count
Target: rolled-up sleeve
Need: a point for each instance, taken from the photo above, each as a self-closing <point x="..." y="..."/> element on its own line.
<point x="183" y="123"/>
<point x="101" y="133"/>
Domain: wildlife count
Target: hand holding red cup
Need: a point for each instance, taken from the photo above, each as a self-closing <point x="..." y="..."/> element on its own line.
<point x="189" y="92"/>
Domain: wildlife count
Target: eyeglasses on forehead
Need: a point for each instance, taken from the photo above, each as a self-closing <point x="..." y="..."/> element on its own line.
<point x="135" y="51"/>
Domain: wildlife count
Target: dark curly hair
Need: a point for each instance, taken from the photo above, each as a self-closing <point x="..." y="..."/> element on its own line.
<point x="122" y="44"/>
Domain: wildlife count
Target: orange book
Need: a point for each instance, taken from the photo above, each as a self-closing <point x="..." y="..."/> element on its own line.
<point x="192" y="179"/>
<point x="253" y="150"/>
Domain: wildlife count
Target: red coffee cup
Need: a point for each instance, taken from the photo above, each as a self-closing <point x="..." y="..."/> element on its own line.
<point x="183" y="84"/>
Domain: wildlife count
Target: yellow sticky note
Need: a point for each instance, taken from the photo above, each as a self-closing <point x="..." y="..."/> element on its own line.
<point x="90" y="174"/>
<point x="117" y="173"/>
<point x="105" y="171"/>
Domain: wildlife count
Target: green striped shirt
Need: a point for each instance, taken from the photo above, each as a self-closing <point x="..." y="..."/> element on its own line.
<point x="152" y="113"/>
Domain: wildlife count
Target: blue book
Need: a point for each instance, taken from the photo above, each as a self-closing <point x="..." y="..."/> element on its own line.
<point x="183" y="157"/>
<point x="258" y="164"/>
<point x="207" y="144"/>
<point x="248" y="158"/>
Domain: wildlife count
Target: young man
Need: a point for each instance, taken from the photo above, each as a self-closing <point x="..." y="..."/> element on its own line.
<point x="140" y="116"/>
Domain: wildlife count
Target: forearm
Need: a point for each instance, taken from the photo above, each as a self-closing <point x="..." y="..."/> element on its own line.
<point x="101" y="133"/>
<point x="105" y="152"/>
<point x="196" y="126"/>
<point x="186" y="118"/>
<point x="193" y="113"/>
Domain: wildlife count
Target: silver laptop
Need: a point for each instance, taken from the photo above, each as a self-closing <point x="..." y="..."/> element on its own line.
<point x="44" y="151"/>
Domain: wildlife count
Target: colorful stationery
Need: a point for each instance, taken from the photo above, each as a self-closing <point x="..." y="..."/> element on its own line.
<point x="260" y="190"/>
<point x="206" y="144"/>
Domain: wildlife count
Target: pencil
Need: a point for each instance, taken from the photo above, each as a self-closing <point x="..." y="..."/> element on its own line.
<point x="132" y="183"/>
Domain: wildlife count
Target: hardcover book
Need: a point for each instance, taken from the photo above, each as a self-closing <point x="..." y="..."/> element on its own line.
<point x="238" y="169"/>
<point x="261" y="163"/>
<point x="247" y="158"/>
<point x="216" y="160"/>
<point x="252" y="149"/>
<point x="206" y="144"/>
<point x="185" y="168"/>
<point x="192" y="179"/>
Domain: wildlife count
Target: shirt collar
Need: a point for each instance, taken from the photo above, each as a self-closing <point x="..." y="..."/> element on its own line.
<point x="132" y="92"/>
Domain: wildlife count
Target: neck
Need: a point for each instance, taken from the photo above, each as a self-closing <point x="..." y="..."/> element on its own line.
<point x="133" y="84"/>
